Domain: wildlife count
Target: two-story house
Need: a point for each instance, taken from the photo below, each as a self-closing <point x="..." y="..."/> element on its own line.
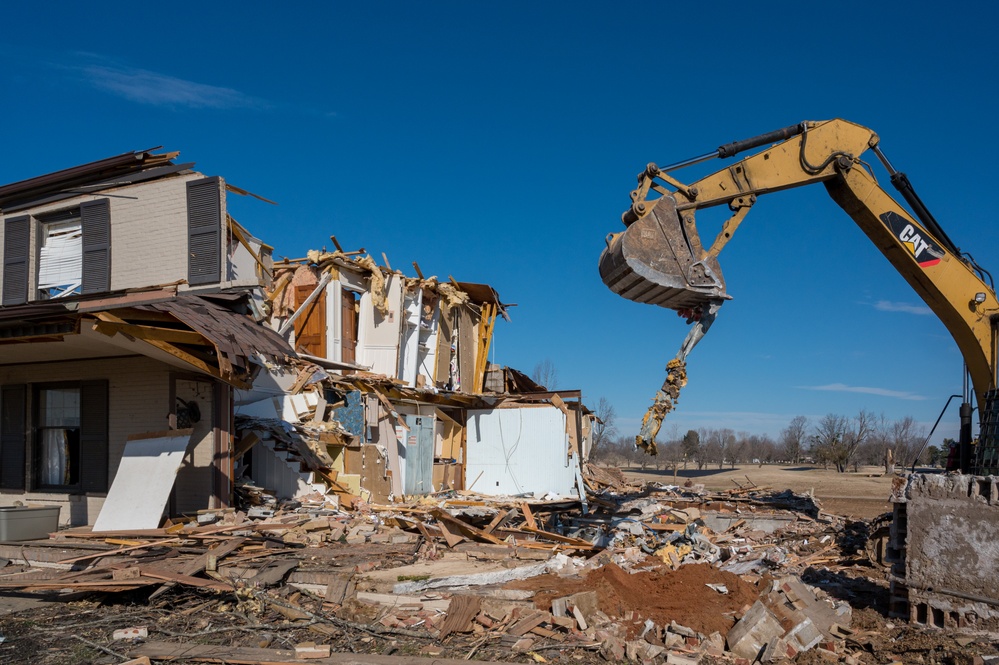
<point x="130" y="304"/>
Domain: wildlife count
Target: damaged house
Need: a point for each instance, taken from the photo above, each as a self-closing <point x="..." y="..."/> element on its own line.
<point x="398" y="396"/>
<point x="154" y="359"/>
<point x="127" y="294"/>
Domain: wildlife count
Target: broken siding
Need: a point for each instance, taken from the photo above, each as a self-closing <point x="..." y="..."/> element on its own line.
<point x="138" y="400"/>
<point x="519" y="450"/>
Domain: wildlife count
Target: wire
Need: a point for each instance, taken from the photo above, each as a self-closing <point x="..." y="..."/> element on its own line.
<point x="815" y="170"/>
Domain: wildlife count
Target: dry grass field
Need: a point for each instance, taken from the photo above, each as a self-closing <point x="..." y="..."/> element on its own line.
<point x="854" y="494"/>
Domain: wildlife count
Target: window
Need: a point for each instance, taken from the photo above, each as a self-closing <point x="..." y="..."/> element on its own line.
<point x="73" y="257"/>
<point x="62" y="429"/>
<point x="58" y="437"/>
<point x="60" y="255"/>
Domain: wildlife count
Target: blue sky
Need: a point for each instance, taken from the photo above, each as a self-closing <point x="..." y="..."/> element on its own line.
<point x="497" y="142"/>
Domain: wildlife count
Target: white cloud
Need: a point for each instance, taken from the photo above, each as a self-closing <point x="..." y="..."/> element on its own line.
<point x="908" y="308"/>
<point x="146" y="87"/>
<point x="883" y="392"/>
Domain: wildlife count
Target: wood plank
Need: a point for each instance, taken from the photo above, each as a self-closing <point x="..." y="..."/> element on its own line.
<point x="501" y="517"/>
<point x="575" y="542"/>
<point x="452" y="539"/>
<point x="530" y="621"/>
<point x="254" y="656"/>
<point x="528" y="515"/>
<point x="442" y="516"/>
<point x="98" y="555"/>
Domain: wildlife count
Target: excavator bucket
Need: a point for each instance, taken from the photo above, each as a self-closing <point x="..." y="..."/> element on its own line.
<point x="660" y="261"/>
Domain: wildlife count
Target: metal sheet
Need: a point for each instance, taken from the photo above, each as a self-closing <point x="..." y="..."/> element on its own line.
<point x="519" y="450"/>
<point x="419" y="455"/>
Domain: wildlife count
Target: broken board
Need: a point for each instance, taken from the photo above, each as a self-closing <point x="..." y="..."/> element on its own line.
<point x="145" y="477"/>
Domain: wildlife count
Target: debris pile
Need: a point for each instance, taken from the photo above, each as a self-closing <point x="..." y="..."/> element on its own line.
<point x="652" y="574"/>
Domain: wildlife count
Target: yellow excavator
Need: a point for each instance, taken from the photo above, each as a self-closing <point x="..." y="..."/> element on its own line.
<point x="659" y="258"/>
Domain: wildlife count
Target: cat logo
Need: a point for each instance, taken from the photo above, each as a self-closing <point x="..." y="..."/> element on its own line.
<point x="919" y="243"/>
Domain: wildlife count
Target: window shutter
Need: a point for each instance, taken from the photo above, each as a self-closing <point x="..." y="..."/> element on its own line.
<point x="204" y="231"/>
<point x="95" y="218"/>
<point x="16" y="242"/>
<point x="13" y="424"/>
<point x="94" y="436"/>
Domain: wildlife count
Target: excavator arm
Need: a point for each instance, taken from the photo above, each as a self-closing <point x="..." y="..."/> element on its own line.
<point x="660" y="259"/>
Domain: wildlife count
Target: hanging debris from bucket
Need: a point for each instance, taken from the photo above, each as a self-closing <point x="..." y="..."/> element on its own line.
<point x="676" y="375"/>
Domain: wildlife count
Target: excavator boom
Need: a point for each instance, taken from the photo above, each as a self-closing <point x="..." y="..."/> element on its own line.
<point x="660" y="259"/>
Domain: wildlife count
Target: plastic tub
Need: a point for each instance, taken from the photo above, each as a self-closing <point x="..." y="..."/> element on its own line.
<point x="28" y="522"/>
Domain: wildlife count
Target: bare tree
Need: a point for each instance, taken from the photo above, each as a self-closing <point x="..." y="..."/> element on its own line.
<point x="793" y="439"/>
<point x="837" y="438"/>
<point x="905" y="438"/>
<point x="546" y="374"/>
<point x="673" y="455"/>
<point x="604" y="427"/>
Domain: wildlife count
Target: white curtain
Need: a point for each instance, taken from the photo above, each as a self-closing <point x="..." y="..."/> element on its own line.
<point x="55" y="454"/>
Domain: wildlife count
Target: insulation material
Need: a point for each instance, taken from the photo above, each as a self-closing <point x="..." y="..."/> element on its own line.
<point x="60" y="263"/>
<point x="351" y="415"/>
<point x="142" y="484"/>
<point x="519" y="450"/>
<point x="378" y="289"/>
<point x="305" y="276"/>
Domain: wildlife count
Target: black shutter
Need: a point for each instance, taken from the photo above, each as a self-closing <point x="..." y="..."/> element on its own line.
<point x="16" y="243"/>
<point x="13" y="425"/>
<point x="204" y="231"/>
<point x="94" y="436"/>
<point x="95" y="221"/>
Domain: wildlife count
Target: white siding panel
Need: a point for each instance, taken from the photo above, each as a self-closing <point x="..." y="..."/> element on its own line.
<point x="519" y="451"/>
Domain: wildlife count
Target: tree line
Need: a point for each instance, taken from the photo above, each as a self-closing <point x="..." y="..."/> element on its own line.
<point x="833" y="441"/>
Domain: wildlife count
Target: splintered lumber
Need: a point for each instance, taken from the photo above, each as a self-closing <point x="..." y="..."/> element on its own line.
<point x="443" y="516"/>
<point x="272" y="573"/>
<point x="460" y="614"/>
<point x="500" y="518"/>
<point x="199" y="564"/>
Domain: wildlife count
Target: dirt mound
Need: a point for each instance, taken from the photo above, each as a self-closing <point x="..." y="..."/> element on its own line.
<point x="660" y="594"/>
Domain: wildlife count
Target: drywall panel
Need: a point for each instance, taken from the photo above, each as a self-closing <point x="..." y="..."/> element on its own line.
<point x="379" y="335"/>
<point x="144" y="480"/>
<point x="517" y="451"/>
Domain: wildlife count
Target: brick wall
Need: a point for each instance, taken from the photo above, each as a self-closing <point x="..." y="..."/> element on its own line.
<point x="138" y="401"/>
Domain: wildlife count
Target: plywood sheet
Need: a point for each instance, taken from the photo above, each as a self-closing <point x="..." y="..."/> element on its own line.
<point x="144" y="480"/>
